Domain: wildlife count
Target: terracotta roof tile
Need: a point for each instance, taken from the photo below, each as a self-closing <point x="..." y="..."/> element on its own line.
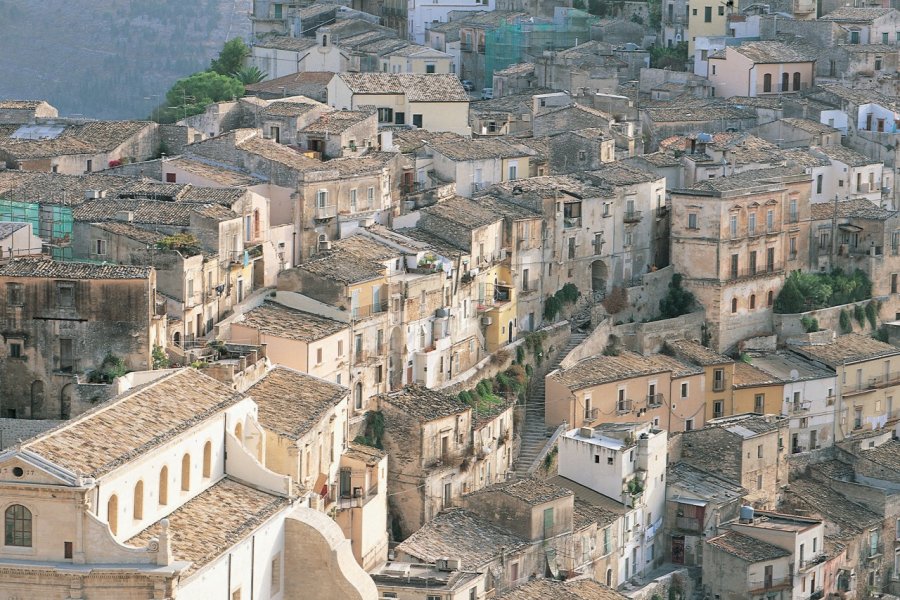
<point x="281" y="321"/>
<point x="747" y="548"/>
<point x="291" y="403"/>
<point x="41" y="267"/>
<point x="416" y="87"/>
<point x="847" y="349"/>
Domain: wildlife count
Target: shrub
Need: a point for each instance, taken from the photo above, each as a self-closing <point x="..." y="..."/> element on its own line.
<point x="612" y="346"/>
<point x="789" y="299"/>
<point x="111" y="367"/>
<point x="872" y="314"/>
<point x="616" y="301"/>
<point x="882" y="334"/>
<point x="552" y="306"/>
<point x="374" y="432"/>
<point x="809" y="291"/>
<point x="160" y="359"/>
<point x="859" y="314"/>
<point x="810" y="324"/>
<point x="844" y="320"/>
<point x="569" y="293"/>
<point x="520" y="354"/>
<point x="677" y="302"/>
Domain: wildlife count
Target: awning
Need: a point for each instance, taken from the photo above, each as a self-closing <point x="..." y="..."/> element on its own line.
<point x="849" y="227"/>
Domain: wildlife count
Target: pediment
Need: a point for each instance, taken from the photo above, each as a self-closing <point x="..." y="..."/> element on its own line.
<point x="24" y="466"/>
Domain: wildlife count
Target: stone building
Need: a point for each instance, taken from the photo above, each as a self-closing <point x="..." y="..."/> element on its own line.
<point x="141" y="496"/>
<point x="866" y="381"/>
<point x="733" y="239"/>
<point x="629" y="387"/>
<point x="434" y="457"/>
<point x="14" y="112"/>
<point x="718" y="371"/>
<point x="746" y="450"/>
<point x="62" y="321"/>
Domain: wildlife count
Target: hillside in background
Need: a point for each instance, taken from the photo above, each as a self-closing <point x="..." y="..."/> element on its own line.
<point x="102" y="59"/>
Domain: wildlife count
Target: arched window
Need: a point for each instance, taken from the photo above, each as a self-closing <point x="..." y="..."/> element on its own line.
<point x="609" y="578"/>
<point x="767" y="82"/>
<point x="186" y="473"/>
<point x="752" y="300"/>
<point x="785" y="82"/>
<point x="207" y="459"/>
<point x="357" y="396"/>
<point x="139" y="500"/>
<point x="112" y="513"/>
<point x="734" y="305"/>
<point x="18" y="526"/>
<point x="164" y="486"/>
<point x="324" y="41"/>
<point x="771" y="298"/>
<point x="797" y="81"/>
<point x="239" y="431"/>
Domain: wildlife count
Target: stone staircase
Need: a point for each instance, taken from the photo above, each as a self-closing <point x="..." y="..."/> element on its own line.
<point x="534" y="432"/>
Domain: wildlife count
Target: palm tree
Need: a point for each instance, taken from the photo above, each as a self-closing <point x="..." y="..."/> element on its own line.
<point x="248" y="75"/>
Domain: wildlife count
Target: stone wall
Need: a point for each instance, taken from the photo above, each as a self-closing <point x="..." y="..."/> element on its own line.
<point x="789" y="326"/>
<point x="649" y="337"/>
<point x="679" y="580"/>
<point x="13" y="430"/>
<point x="146" y="168"/>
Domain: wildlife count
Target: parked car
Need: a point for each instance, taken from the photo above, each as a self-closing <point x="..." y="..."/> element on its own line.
<point x="487" y="93"/>
<point x="468" y="85"/>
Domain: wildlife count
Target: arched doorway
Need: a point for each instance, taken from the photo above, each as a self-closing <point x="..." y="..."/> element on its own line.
<point x="599" y="276"/>
<point x="37" y="399"/>
<point x="65" y="401"/>
<point x="177" y="338"/>
<point x="112" y="511"/>
<point x="511" y="335"/>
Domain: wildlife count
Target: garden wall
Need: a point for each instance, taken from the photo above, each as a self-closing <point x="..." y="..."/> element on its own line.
<point x="789" y="325"/>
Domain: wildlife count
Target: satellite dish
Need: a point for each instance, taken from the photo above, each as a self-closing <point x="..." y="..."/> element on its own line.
<point x="795" y="374"/>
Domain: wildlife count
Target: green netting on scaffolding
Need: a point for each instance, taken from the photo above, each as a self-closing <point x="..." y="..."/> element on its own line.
<point x="525" y="38"/>
<point x="51" y="222"/>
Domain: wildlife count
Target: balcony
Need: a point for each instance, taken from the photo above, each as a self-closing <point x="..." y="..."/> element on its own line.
<point x="632" y="216"/>
<point x="624" y="407"/>
<point x="751" y="272"/>
<point x="817" y="595"/>
<point x="873" y="383"/>
<point x="325" y="212"/>
<point x="770" y="585"/>
<point x="796" y="408"/>
<point x="654" y="400"/>
<point x="811" y="563"/>
<point x="571" y="222"/>
<point x="357" y="313"/>
<point x="591" y="414"/>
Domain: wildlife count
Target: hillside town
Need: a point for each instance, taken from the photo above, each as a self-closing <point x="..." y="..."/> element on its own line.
<point x="513" y="299"/>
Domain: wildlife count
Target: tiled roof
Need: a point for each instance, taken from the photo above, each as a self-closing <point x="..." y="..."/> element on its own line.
<point x="885" y="455"/>
<point x="860" y="208"/>
<point x="7" y="229"/>
<point x="552" y="185"/>
<point x="803" y="158"/>
<point x="746" y="548"/>
<point x="285" y="42"/>
<point x="849" y="157"/>
<point x="697" y="353"/>
<point x="29" y="149"/>
<point x="105" y="136"/>
<point x="700" y="114"/>
<point x="464" y="149"/>
<point x="279" y="153"/>
<point x="700" y="485"/>
<point x="131" y="425"/>
<point x="868" y="48"/>
<point x="366" y="454"/>
<point x="744" y="148"/>
<point x="660" y="159"/>
<point x="516" y="69"/>
<point x="619" y="173"/>
<point x="768" y="51"/>
<point x="844" y="518"/>
<point x="424" y="403"/>
<point x="151" y="212"/>
<point x="507" y="210"/>
<point x="292" y="107"/>
<point x="293" y="84"/>
<point x="600" y="369"/>
<point x="20" y="104"/>
<point x="338" y="121"/>
<point x="208" y="525"/>
<point x="860" y="97"/>
<point x="221" y="175"/>
<point x="417" y="87"/>
<point x="748" y="425"/>
<point x="128" y="230"/>
<point x="411" y="140"/>
<point x="574" y="589"/>
<point x="41" y="267"/>
<point x="464" y="212"/>
<point x="848" y="349"/>
<point x="459" y="533"/>
<point x="56" y="188"/>
<point x="787" y="366"/>
<point x="851" y="14"/>
<point x="529" y="490"/>
<point x="351" y="260"/>
<point x="746" y="375"/>
<point x="748" y="179"/>
<point x="291" y="403"/>
<point x="280" y="321"/>
<point x="591" y="506"/>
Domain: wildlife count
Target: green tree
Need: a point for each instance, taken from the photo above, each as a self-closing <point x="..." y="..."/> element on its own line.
<point x="789" y="300"/>
<point x="231" y="57"/>
<point x="249" y="75"/>
<point x="674" y="58"/>
<point x="191" y="95"/>
<point x="678" y="301"/>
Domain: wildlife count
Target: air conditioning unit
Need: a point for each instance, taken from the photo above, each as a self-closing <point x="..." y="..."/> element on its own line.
<point x="487" y="320"/>
<point x="325" y="245"/>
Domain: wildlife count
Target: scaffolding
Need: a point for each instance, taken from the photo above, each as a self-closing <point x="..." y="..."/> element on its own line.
<point x="50" y="222"/>
<point x="524" y="39"/>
